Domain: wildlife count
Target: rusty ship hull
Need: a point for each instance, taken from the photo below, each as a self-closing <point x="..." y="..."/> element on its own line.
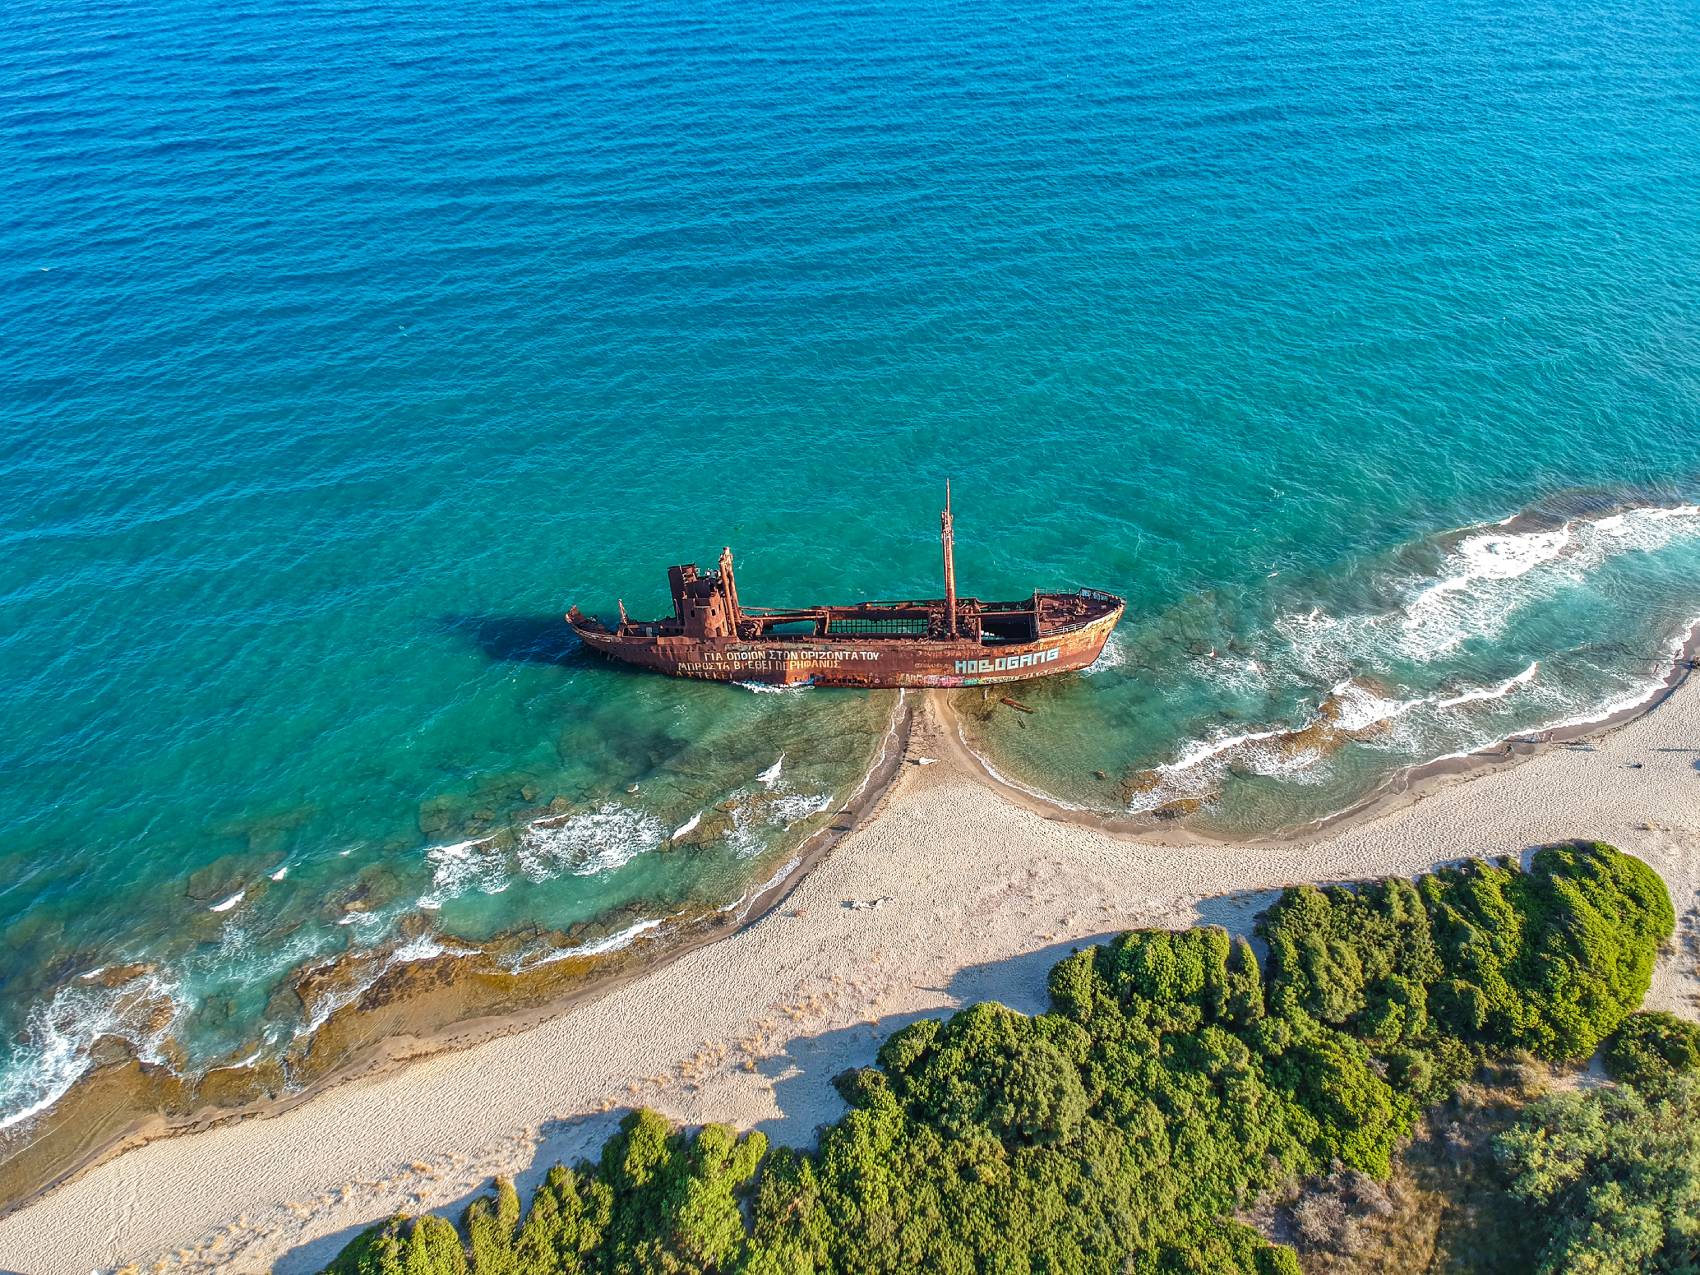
<point x="948" y="641"/>
<point x="857" y="661"/>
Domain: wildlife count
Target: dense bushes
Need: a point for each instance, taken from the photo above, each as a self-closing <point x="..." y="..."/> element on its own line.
<point x="1650" y="1050"/>
<point x="658" y="1201"/>
<point x="1170" y="1082"/>
<point x="1614" y="1178"/>
<point x="1548" y="960"/>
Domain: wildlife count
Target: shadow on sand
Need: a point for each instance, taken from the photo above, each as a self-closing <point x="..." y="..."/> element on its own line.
<point x="570" y="1140"/>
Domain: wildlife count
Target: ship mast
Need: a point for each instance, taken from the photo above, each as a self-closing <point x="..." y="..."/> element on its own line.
<point x="947" y="537"/>
<point x="729" y="587"/>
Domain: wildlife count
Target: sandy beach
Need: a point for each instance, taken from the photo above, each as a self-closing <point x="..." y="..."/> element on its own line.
<point x="951" y="893"/>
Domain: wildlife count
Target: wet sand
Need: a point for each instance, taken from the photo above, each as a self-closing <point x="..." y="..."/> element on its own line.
<point x="951" y="893"/>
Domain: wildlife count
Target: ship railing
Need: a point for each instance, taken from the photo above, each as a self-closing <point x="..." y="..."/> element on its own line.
<point x="804" y="613"/>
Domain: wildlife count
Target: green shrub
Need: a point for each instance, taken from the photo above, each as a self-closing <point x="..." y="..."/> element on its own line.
<point x="1651" y="1049"/>
<point x="1277" y="1260"/>
<point x="1016" y="1077"/>
<point x="1549" y="960"/>
<point x="1613" y="1178"/>
<point x="1361" y="959"/>
<point x="421" y="1246"/>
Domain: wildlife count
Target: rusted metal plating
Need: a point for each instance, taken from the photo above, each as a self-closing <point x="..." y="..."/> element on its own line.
<point x="936" y="642"/>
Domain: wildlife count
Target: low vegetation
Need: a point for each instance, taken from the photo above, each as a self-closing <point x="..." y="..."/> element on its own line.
<point x="1610" y="1178"/>
<point x="1174" y="1080"/>
<point x="1651" y="1050"/>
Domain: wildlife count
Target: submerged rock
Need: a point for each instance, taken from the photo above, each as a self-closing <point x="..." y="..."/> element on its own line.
<point x="1327" y="734"/>
<point x="1178" y="807"/>
<point x="1139" y="783"/>
<point x="438" y="814"/>
<point x="113" y="976"/>
<point x="221" y="878"/>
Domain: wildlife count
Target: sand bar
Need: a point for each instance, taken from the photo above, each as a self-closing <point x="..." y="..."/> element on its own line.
<point x="951" y="893"/>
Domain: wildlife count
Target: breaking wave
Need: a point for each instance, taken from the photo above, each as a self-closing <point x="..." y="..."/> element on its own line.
<point x="423" y="947"/>
<point x="1353" y="712"/>
<point x="478" y="864"/>
<point x="596" y="947"/>
<point x="1492" y="692"/>
<point x="585" y="844"/>
<point x="1636" y="696"/>
<point x="1489" y="574"/>
<point x="1486" y="577"/>
<point x="1381" y="664"/>
<point x="1113" y="655"/>
<point x="582" y="844"/>
<point x="140" y="1010"/>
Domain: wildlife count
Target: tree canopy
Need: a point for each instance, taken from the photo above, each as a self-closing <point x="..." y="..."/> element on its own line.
<point x="1613" y="1178"/>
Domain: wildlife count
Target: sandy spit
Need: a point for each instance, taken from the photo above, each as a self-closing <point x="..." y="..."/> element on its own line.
<point x="951" y="893"/>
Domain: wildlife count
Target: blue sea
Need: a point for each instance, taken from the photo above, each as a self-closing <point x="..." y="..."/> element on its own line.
<point x="342" y="346"/>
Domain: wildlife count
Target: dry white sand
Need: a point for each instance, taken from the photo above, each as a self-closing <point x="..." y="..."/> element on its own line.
<point x="951" y="894"/>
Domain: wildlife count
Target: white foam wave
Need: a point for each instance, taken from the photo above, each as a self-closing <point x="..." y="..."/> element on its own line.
<point x="1487" y="576"/>
<point x="61" y="1031"/>
<point x="477" y="864"/>
<point x="598" y="947"/>
<point x="585" y="844"/>
<point x="1294" y="765"/>
<point x="614" y="942"/>
<point x="420" y="948"/>
<point x="1446" y="613"/>
<point x="1324" y="646"/>
<point x="798" y="806"/>
<point x="1233" y="675"/>
<point x="688" y="827"/>
<point x="1633" y="698"/>
<point x="771" y="688"/>
<point x="1204" y="750"/>
<point x="744" y="901"/>
<point x="281" y="873"/>
<point x="1355" y="708"/>
<point x="1624" y="703"/>
<point x="1358" y="707"/>
<point x="229" y="903"/>
<point x="1113" y="654"/>
<point x="769" y="777"/>
<point x="1492" y="692"/>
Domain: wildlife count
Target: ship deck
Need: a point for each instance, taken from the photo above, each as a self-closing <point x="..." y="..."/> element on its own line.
<point x="990" y="622"/>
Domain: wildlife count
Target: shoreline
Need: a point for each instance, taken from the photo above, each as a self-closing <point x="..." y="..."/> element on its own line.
<point x="1400" y="788"/>
<point x="951" y="894"/>
<point x="122" y="1103"/>
<point x="119" y="1106"/>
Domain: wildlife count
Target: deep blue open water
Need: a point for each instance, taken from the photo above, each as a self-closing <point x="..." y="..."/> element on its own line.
<point x="343" y="345"/>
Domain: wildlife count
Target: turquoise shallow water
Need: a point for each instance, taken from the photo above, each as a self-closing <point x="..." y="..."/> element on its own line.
<point x="346" y="344"/>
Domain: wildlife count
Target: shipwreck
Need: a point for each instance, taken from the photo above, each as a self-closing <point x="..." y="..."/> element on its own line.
<point x="948" y="641"/>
